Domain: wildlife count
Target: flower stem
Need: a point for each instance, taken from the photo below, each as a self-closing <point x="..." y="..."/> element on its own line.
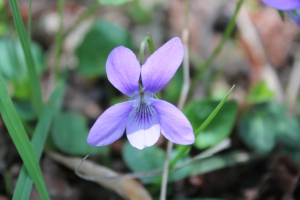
<point x="183" y="96"/>
<point x="58" y="39"/>
<point x="147" y="39"/>
<point x="218" y="49"/>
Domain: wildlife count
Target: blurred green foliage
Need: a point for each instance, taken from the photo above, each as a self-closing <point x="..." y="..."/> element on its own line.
<point x="219" y="128"/>
<point x="113" y="2"/>
<point x="69" y="133"/>
<point x="13" y="66"/>
<point x="102" y="38"/>
<point x="259" y="93"/>
<point x="152" y="158"/>
<point x="266" y="124"/>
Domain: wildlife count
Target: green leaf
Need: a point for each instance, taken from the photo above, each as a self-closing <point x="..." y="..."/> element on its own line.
<point x="13" y="62"/>
<point x="24" y="184"/>
<point x="259" y="93"/>
<point x="219" y="128"/>
<point x="97" y="44"/>
<point x="288" y="132"/>
<point x="257" y="130"/>
<point x="69" y="133"/>
<point x="20" y="139"/>
<point x="113" y="2"/>
<point x="33" y="78"/>
<point x="151" y="158"/>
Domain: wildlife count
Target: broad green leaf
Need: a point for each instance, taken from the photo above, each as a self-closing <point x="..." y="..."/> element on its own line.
<point x="259" y="93"/>
<point x="33" y="78"/>
<point x="257" y="129"/>
<point x="20" y="139"/>
<point x="219" y="128"/>
<point x="269" y="123"/>
<point x="13" y="63"/>
<point x="24" y="184"/>
<point x="151" y="158"/>
<point x="113" y="2"/>
<point x="97" y="44"/>
<point x="69" y="133"/>
<point x="287" y="128"/>
<point x="288" y="131"/>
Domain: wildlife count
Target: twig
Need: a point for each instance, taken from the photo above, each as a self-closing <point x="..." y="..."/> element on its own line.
<point x="209" y="152"/>
<point x="293" y="85"/>
<point x="256" y="54"/>
<point x="183" y="96"/>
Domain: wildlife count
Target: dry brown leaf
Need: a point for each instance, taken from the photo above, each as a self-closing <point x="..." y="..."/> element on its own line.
<point x="127" y="188"/>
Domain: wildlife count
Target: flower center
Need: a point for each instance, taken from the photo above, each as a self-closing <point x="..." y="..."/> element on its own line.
<point x="142" y="111"/>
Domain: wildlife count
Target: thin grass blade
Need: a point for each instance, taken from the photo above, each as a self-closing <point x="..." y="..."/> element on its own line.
<point x="24" y="184"/>
<point x="33" y="77"/>
<point x="20" y="139"/>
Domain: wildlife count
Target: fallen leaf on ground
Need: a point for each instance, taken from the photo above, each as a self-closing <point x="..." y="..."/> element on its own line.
<point x="127" y="188"/>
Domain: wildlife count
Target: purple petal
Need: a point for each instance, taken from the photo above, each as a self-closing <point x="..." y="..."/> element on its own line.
<point x="110" y="125"/>
<point x="123" y="70"/>
<point x="161" y="66"/>
<point x="143" y="129"/>
<point x="283" y="4"/>
<point x="173" y="123"/>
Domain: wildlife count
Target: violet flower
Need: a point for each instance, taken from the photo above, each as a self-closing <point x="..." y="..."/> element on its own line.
<point x="143" y="116"/>
<point x="290" y="7"/>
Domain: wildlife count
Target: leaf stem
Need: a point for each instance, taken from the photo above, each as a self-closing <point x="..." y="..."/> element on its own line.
<point x="148" y="39"/>
<point x="218" y="49"/>
<point x="182" y="99"/>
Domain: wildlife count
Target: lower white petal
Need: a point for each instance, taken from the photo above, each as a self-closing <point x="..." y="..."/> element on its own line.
<point x="143" y="128"/>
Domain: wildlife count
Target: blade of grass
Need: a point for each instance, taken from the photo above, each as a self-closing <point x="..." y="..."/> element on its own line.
<point x="24" y="184"/>
<point x="183" y="150"/>
<point x="29" y="20"/>
<point x="20" y="139"/>
<point x="33" y="77"/>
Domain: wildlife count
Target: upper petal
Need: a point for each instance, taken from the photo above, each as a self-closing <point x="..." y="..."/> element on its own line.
<point x="123" y="70"/>
<point x="110" y="125"/>
<point x="283" y="4"/>
<point x="143" y="128"/>
<point x="161" y="66"/>
<point x="173" y="123"/>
